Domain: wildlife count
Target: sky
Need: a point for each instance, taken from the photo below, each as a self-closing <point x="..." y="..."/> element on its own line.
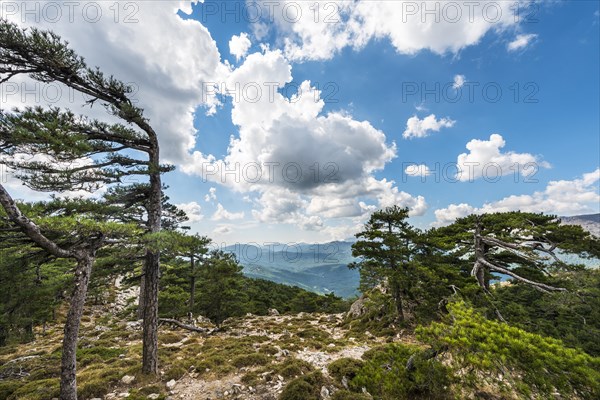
<point x="292" y="121"/>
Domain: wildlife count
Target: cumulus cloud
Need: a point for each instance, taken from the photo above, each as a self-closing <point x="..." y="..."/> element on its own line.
<point x="319" y="30"/>
<point x="486" y="159"/>
<point x="306" y="166"/>
<point x="420" y="128"/>
<point x="521" y="41"/>
<point x="459" y="81"/>
<point x="421" y="170"/>
<point x="193" y="210"/>
<point x="562" y="197"/>
<point x="222" y="214"/>
<point x="166" y="59"/>
<point x="239" y="45"/>
<point x="212" y="195"/>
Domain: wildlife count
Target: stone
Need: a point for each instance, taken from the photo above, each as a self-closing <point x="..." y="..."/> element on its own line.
<point x="153" y="396"/>
<point x="171" y="384"/>
<point x="358" y="308"/>
<point x="128" y="379"/>
<point x="324" y="392"/>
<point x="273" y="312"/>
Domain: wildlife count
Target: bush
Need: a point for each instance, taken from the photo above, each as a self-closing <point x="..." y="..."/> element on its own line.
<point x="248" y="360"/>
<point x="347" y="367"/>
<point x="536" y="365"/>
<point x="307" y="387"/>
<point x="385" y="376"/>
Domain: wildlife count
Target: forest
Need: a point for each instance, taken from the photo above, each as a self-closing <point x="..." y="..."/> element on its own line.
<point x="488" y="307"/>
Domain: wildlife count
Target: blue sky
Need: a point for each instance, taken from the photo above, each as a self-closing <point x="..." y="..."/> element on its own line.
<point x="372" y="119"/>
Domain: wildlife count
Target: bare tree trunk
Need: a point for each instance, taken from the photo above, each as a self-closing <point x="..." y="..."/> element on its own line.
<point x="479" y="268"/>
<point x="192" y="283"/>
<point x="68" y="379"/>
<point x="152" y="269"/>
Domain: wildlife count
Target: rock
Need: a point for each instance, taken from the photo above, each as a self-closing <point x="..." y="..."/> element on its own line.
<point x="273" y="312"/>
<point x="127" y="379"/>
<point x="358" y="308"/>
<point x="345" y="381"/>
<point x="153" y="396"/>
<point x="123" y="395"/>
<point x="171" y="384"/>
<point x="236" y="388"/>
<point x="134" y="325"/>
<point x="324" y="392"/>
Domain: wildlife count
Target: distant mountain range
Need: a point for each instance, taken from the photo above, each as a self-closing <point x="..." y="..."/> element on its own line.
<point x="590" y="222"/>
<point x="319" y="267"/>
<point x="322" y="267"/>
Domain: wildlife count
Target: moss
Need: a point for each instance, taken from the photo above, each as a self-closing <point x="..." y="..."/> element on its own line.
<point x="8" y="387"/>
<point x="170" y="337"/>
<point x="36" y="390"/>
<point x="97" y="355"/>
<point x="251" y="359"/>
<point x="175" y="372"/>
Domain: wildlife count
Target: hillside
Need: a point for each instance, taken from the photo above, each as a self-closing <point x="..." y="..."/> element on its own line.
<point x="320" y="268"/>
<point x="589" y="222"/>
<point x="251" y="357"/>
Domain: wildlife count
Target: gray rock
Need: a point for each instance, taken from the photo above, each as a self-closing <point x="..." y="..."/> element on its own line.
<point x="324" y="393"/>
<point x="273" y="312"/>
<point x="171" y="384"/>
<point x="127" y="379"/>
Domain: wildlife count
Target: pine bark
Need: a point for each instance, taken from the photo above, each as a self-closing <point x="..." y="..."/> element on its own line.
<point x="68" y="378"/>
<point x="152" y="270"/>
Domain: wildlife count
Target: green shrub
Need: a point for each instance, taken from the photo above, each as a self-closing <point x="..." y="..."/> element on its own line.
<point x="347" y="367"/>
<point x="307" y="387"/>
<point x="385" y="375"/>
<point x="248" y="360"/>
<point x="535" y="364"/>
<point x="348" y="395"/>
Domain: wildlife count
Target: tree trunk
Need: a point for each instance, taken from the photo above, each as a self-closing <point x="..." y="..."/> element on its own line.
<point x="152" y="270"/>
<point x="192" y="283"/>
<point x="479" y="268"/>
<point x="140" y="309"/>
<point x="68" y="380"/>
<point x="150" y="324"/>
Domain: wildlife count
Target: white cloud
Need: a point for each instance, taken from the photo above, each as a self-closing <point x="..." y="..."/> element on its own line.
<point x="459" y="81"/>
<point x="485" y="159"/>
<point x="193" y="211"/>
<point x="319" y="30"/>
<point x="521" y="41"/>
<point x="446" y="216"/>
<point x="212" y="195"/>
<point x="563" y="197"/>
<point x="223" y="229"/>
<point x="305" y="166"/>
<point x="239" y="45"/>
<point x="417" y="170"/>
<point x="420" y="128"/>
<point x="167" y="59"/>
<point x="222" y="214"/>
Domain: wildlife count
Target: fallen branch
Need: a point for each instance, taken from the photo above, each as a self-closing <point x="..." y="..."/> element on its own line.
<point x="185" y="326"/>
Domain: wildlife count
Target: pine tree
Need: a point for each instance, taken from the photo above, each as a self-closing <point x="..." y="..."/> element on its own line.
<point x="45" y="57"/>
<point x="386" y="248"/>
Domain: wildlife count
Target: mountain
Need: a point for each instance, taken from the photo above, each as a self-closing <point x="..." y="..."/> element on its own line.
<point x="322" y="267"/>
<point x="590" y="222"/>
<point x="318" y="267"/>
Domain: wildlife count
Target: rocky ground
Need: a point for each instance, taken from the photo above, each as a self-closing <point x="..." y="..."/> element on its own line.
<point x="253" y="357"/>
